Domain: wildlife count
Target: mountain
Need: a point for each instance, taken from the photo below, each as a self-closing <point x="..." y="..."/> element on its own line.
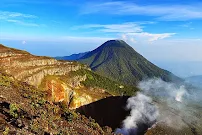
<point x="117" y="60"/>
<point x="71" y="57"/>
<point x="195" y="80"/>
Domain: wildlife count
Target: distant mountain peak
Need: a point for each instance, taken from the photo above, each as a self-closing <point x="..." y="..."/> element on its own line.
<point x="115" y="43"/>
<point x="72" y="57"/>
<point x="117" y="60"/>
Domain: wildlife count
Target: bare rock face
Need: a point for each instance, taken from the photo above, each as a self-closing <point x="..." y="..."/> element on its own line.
<point x="26" y="67"/>
<point x="76" y="81"/>
<point x="32" y="69"/>
<point x="58" y="91"/>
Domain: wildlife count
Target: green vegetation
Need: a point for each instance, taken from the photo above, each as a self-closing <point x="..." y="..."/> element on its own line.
<point x="6" y="131"/>
<point x="5" y="80"/>
<point x="112" y="87"/>
<point x="116" y="60"/>
<point x="94" y="125"/>
<point x="13" y="110"/>
<point x="69" y="115"/>
<point x="34" y="126"/>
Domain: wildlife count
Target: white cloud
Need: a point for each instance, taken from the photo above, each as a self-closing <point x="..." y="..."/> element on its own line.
<point x="7" y="15"/>
<point x="114" y="28"/>
<point x="23" y="23"/>
<point x="161" y="12"/>
<point x="133" y="40"/>
<point x="145" y="36"/>
<point x="18" y="18"/>
<point x="130" y="31"/>
<point x="24" y="42"/>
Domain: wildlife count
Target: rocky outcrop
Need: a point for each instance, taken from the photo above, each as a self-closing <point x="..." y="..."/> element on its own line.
<point x="36" y="77"/>
<point x="75" y="81"/>
<point x="32" y="69"/>
<point x="59" y="91"/>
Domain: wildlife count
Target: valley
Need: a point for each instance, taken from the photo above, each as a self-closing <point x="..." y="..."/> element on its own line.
<point x="71" y="95"/>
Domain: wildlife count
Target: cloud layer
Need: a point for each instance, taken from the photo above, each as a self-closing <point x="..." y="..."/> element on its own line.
<point x="129" y="31"/>
<point x="161" y="12"/>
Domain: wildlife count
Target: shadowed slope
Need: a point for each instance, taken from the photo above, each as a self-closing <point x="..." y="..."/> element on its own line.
<point x="107" y="112"/>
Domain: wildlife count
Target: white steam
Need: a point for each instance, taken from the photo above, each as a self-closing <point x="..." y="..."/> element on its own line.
<point x="173" y="108"/>
<point x="164" y="90"/>
<point x="143" y="111"/>
<point x="180" y="94"/>
<point x="176" y="103"/>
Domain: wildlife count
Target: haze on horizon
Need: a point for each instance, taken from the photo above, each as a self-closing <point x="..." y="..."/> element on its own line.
<point x="167" y="32"/>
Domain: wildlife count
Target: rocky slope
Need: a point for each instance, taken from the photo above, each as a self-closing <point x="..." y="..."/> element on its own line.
<point x="24" y="110"/>
<point x="32" y="69"/>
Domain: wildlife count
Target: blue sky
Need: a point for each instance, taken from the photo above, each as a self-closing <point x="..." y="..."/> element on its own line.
<point x="161" y="30"/>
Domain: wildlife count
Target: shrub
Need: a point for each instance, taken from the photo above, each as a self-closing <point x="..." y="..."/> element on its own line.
<point x="6" y="131"/>
<point x="5" y="81"/>
<point x="42" y="101"/>
<point x="70" y="115"/>
<point x="34" y="126"/>
<point x="13" y="110"/>
<point x="107" y="129"/>
<point x="94" y="125"/>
